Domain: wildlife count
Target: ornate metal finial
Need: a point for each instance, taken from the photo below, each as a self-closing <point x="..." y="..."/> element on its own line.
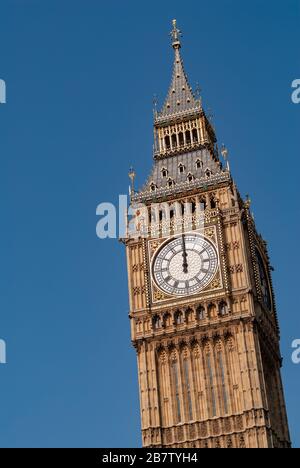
<point x="155" y="102"/>
<point x="131" y="175"/>
<point x="247" y="202"/>
<point x="197" y="93"/>
<point x="175" y="33"/>
<point x="224" y="152"/>
<point x="210" y="114"/>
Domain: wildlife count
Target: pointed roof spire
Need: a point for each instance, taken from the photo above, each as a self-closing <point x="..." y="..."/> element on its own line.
<point x="180" y="98"/>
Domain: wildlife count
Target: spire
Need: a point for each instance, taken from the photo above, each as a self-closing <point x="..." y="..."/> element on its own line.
<point x="181" y="126"/>
<point x="180" y="98"/>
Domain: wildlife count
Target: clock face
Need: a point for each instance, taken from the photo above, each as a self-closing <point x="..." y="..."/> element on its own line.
<point x="264" y="282"/>
<point x="185" y="265"/>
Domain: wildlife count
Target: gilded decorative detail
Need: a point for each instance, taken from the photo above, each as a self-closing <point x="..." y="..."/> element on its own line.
<point x="210" y="233"/>
<point x="159" y="295"/>
<point x="153" y="246"/>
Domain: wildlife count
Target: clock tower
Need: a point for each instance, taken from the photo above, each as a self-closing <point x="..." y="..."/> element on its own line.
<point x="202" y="308"/>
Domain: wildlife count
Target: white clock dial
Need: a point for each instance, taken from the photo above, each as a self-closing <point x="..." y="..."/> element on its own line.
<point x="185" y="265"/>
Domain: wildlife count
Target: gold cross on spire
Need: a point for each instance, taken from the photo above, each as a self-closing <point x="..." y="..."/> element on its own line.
<point x="175" y="33"/>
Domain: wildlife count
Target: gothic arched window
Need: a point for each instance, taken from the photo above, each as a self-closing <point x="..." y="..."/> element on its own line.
<point x="187" y="388"/>
<point x="168" y="320"/>
<point x="156" y="322"/>
<point x="199" y="164"/>
<point x="211" y="311"/>
<point x="181" y="168"/>
<point x="164" y="172"/>
<point x="175" y="382"/>
<point x="221" y="372"/>
<point x="213" y="404"/>
<point x="203" y="203"/>
<point x="174" y="141"/>
<point x="213" y="203"/>
<point x="200" y="313"/>
<point x="188" y="137"/>
<point x="223" y="308"/>
<point x="195" y="136"/>
<point x="179" y="319"/>
<point x="189" y="315"/>
<point x="167" y="142"/>
<point x="171" y="182"/>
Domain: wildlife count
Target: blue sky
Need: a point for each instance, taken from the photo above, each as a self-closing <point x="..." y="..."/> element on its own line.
<point x="80" y="78"/>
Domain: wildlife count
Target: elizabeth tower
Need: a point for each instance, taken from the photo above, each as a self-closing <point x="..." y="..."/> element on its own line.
<point x="202" y="307"/>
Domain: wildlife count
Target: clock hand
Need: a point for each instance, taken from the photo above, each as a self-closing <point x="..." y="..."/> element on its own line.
<point x="184" y="254"/>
